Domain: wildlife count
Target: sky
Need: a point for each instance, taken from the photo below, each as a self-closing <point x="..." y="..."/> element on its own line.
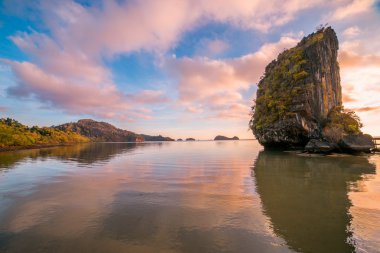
<point x="179" y="68"/>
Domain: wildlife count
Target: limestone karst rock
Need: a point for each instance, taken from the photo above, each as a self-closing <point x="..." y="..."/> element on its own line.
<point x="298" y="94"/>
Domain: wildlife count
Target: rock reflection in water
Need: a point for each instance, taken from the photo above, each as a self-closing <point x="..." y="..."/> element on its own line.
<point x="306" y="198"/>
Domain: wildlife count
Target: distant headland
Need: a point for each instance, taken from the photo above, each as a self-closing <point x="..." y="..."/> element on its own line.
<point x="14" y="135"/>
<point x="102" y="131"/>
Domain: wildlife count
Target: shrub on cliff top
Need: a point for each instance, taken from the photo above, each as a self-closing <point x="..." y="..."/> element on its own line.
<point x="341" y="121"/>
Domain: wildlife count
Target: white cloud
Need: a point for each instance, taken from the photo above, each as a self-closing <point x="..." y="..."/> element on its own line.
<point x="351" y="31"/>
<point x="354" y="7"/>
<point x="68" y="59"/>
<point x="211" y="47"/>
<point x="67" y="70"/>
<point x="217" y="84"/>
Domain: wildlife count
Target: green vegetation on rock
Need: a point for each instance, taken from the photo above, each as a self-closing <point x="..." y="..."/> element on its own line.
<point x="299" y="100"/>
<point x="285" y="78"/>
<point x="341" y="122"/>
<point x="15" y="134"/>
<point x="346" y="120"/>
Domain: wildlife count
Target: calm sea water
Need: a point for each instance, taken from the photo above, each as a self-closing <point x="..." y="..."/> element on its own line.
<point x="228" y="196"/>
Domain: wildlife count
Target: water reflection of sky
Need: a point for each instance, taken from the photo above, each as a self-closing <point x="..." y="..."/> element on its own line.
<point x="365" y="211"/>
<point x="175" y="197"/>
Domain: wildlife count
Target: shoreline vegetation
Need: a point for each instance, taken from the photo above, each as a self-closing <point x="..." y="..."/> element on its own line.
<point x="16" y="136"/>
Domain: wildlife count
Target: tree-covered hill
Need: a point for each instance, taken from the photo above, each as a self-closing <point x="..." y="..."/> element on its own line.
<point x="13" y="134"/>
<point x="99" y="131"/>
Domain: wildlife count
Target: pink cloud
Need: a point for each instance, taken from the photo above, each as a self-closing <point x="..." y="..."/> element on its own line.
<point x="348" y="93"/>
<point x="366" y="108"/>
<point x="155" y="25"/>
<point x="220" y="99"/>
<point x="67" y="69"/>
<point x="354" y="7"/>
<point x="202" y="77"/>
<point x="148" y="97"/>
<point x="361" y="78"/>
<point x="349" y="59"/>
<point x="235" y="111"/>
<point x="211" y="48"/>
<point x="217" y="85"/>
<point x="351" y="31"/>
<point x="217" y="46"/>
<point x="66" y="62"/>
<point x="195" y="109"/>
<point x="79" y="97"/>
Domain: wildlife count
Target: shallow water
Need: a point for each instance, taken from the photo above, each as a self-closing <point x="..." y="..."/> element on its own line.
<point x="227" y="196"/>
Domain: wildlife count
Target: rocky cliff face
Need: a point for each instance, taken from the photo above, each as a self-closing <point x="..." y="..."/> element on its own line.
<point x="299" y="100"/>
<point x="297" y="92"/>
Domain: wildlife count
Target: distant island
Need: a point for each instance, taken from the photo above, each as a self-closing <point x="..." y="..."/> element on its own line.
<point x="224" y="138"/>
<point x="14" y="135"/>
<point x="179" y="139"/>
<point x="190" y="139"/>
<point x="299" y="101"/>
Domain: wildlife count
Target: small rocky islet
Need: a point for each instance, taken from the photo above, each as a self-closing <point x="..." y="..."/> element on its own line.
<point x="299" y="101"/>
<point x="224" y="138"/>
